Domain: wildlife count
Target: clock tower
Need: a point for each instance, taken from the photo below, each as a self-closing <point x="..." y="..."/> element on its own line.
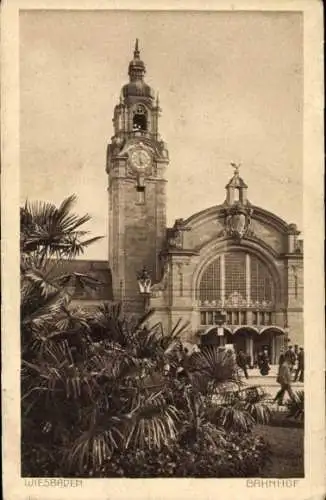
<point x="136" y="163"/>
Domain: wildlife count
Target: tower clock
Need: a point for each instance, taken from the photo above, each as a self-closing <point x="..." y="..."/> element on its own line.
<point x="136" y="164"/>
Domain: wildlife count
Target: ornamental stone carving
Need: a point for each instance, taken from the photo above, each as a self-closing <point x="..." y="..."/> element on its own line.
<point x="174" y="234"/>
<point x="237" y="222"/>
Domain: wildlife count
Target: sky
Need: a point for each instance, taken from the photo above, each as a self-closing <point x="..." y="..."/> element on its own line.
<point x="230" y="87"/>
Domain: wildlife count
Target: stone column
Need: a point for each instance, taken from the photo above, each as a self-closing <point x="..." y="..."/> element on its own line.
<point x="222" y="276"/>
<point x="248" y="279"/>
<point x="250" y="347"/>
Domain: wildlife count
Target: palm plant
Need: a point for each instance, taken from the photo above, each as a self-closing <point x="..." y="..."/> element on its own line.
<point x="49" y="236"/>
<point x="108" y="395"/>
<point x="295" y="406"/>
<point x="96" y="385"/>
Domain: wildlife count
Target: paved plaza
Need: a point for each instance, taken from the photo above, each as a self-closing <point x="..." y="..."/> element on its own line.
<point x="268" y="382"/>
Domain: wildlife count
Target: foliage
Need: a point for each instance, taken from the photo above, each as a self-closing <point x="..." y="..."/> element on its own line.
<point x="100" y="389"/>
<point x="236" y="456"/>
<point x="295" y="406"/>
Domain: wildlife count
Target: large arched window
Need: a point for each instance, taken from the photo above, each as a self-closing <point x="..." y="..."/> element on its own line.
<point x="238" y="282"/>
<point x="237" y="279"/>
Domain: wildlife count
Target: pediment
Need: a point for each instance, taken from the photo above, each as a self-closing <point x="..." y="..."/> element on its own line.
<point x="210" y="224"/>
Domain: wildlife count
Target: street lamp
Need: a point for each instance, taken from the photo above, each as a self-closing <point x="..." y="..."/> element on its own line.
<point x="144" y="284"/>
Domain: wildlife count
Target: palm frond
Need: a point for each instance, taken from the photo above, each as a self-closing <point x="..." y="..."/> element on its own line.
<point x="295" y="406"/>
<point x="153" y="422"/>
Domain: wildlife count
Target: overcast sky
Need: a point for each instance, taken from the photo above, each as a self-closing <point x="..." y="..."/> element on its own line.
<point x="230" y="85"/>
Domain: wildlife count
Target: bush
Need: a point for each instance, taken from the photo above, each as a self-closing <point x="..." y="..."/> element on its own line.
<point x="237" y="456"/>
<point x="295" y="406"/>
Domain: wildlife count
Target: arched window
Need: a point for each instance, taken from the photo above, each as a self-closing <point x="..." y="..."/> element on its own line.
<point x="261" y="283"/>
<point x="237" y="282"/>
<point x="210" y="284"/>
<point x="139" y="121"/>
<point x="237" y="279"/>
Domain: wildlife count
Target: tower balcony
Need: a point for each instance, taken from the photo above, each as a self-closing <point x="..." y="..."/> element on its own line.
<point x="134" y="134"/>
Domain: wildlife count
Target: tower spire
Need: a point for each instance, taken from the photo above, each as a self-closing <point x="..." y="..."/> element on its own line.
<point x="236" y="188"/>
<point x="136" y="51"/>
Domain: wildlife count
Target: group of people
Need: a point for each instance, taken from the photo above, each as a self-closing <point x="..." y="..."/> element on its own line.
<point x="262" y="361"/>
<point x="290" y="368"/>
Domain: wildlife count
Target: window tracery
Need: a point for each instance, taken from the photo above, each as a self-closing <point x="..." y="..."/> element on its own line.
<point x="238" y="282"/>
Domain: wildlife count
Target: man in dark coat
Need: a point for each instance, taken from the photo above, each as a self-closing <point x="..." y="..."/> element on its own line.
<point x="242" y="361"/>
<point x="284" y="379"/>
<point x="281" y="358"/>
<point x="290" y="357"/>
<point x="300" y="370"/>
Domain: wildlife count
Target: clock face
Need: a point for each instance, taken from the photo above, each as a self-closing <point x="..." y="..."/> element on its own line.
<point x="140" y="159"/>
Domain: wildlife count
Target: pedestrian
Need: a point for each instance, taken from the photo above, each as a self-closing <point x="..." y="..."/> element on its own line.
<point x="281" y="358"/>
<point x="300" y="369"/>
<point x="263" y="362"/>
<point x="290" y="357"/>
<point x="242" y="361"/>
<point x="284" y="379"/>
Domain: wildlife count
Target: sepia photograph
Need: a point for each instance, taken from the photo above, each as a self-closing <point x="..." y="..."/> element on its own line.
<point x="163" y="329"/>
<point x="179" y="351"/>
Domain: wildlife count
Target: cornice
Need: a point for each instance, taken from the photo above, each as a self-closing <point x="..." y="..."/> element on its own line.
<point x="292" y="256"/>
<point x="260" y="214"/>
<point x="242" y="244"/>
<point x="180" y="252"/>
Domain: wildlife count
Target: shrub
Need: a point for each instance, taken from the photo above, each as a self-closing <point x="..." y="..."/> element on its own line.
<point x="236" y="456"/>
<point x="296" y="406"/>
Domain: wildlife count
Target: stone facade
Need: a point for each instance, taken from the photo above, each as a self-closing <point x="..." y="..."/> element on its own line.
<point x="280" y="260"/>
<point x="233" y="272"/>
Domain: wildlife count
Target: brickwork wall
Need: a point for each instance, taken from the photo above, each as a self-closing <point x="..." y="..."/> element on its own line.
<point x="296" y="327"/>
<point x="295" y="300"/>
<point x="144" y="228"/>
<point x="136" y="234"/>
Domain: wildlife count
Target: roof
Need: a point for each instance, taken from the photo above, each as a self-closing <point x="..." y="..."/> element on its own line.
<point x="98" y="269"/>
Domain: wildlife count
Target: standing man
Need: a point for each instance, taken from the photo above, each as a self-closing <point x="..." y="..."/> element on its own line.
<point x="242" y="362"/>
<point x="281" y="358"/>
<point x="284" y="379"/>
<point x="290" y="357"/>
<point x="300" y="370"/>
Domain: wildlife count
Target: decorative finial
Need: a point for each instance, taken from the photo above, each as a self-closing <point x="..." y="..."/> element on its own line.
<point x="157" y="100"/>
<point x="136" y="51"/>
<point x="236" y="168"/>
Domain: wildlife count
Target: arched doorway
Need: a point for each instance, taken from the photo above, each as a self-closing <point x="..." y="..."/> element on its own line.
<point x="239" y="340"/>
<point x="242" y="339"/>
<point x="212" y="337"/>
<point x="271" y="339"/>
<point x="252" y="341"/>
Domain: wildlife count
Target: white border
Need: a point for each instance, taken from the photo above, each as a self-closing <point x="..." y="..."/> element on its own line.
<point x="313" y="484"/>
